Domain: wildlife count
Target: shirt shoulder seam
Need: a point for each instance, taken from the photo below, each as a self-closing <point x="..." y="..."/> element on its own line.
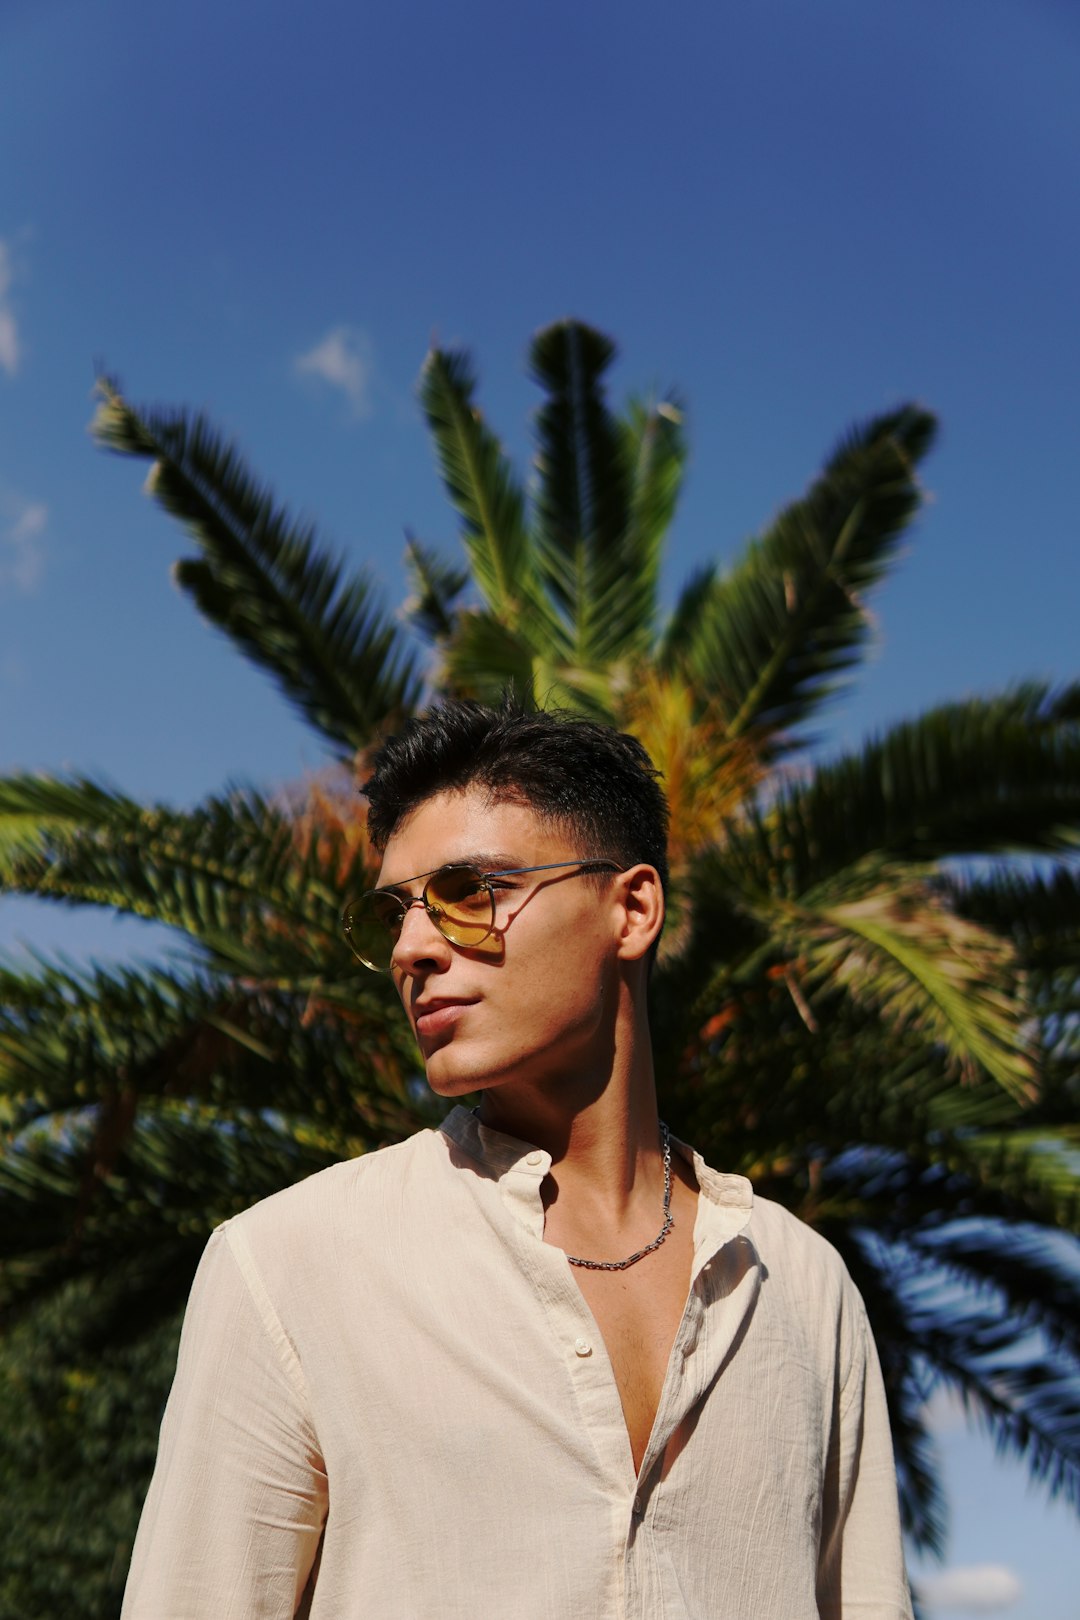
<point x="232" y="1234"/>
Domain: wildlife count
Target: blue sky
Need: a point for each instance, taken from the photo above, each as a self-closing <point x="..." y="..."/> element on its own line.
<point x="795" y="214"/>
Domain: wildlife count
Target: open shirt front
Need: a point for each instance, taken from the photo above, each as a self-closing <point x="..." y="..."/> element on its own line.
<point x="392" y="1402"/>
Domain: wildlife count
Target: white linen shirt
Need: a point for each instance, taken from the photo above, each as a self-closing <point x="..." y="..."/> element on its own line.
<point x="393" y="1403"/>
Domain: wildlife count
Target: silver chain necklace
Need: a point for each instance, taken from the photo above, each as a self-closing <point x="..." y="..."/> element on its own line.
<point x="669" y="1221"/>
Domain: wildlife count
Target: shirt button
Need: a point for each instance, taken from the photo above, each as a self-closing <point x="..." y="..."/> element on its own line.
<point x="534" y="1158"/>
<point x="583" y="1347"/>
<point x="637" y="1507"/>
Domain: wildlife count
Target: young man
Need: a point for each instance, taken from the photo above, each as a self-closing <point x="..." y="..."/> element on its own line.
<point x="542" y="1363"/>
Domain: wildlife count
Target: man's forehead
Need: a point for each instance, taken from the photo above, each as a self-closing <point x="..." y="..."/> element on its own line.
<point x="465" y="827"/>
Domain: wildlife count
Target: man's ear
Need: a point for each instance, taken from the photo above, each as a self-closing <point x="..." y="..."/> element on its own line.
<point x="641" y="896"/>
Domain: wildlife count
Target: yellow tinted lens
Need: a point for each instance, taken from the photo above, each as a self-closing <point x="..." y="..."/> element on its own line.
<point x="460" y="904"/>
<point x="371" y="925"/>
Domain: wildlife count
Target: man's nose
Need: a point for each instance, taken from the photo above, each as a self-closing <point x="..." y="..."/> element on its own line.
<point x="418" y="939"/>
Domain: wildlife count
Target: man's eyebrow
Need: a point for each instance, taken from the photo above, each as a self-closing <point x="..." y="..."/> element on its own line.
<point x="485" y="860"/>
<point x="492" y="861"/>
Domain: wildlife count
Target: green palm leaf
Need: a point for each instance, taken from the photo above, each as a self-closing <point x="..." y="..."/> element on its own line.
<point x="484" y="657"/>
<point x="1022" y="1263"/>
<point x="181" y="1170"/>
<point x="71" y="1039"/>
<point x="990" y="775"/>
<point x="652" y="445"/>
<point x="1026" y="1402"/>
<point x="210" y="872"/>
<point x="606" y="491"/>
<point x="110" y="1084"/>
<point x="482" y="486"/>
<point x="772" y="637"/>
<point x="924" y="968"/>
<point x="436" y="587"/>
<point x="582" y="496"/>
<point x="1038" y="909"/>
<point x="261" y="578"/>
<point x="1036" y="1166"/>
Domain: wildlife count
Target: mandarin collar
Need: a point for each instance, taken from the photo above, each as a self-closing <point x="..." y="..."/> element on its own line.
<point x="493" y="1149"/>
<point x="725" y="1203"/>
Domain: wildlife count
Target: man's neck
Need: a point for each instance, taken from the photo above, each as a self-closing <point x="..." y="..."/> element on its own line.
<point x="601" y="1130"/>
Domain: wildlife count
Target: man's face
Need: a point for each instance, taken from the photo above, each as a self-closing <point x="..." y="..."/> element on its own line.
<point x="534" y="1000"/>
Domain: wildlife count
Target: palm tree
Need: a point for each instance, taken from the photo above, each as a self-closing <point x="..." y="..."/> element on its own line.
<point x="868" y="996"/>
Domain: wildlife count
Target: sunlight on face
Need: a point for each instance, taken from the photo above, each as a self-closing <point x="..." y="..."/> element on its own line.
<point x="529" y="1002"/>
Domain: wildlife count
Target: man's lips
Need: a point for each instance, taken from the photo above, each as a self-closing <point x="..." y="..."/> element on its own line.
<point x="431" y="1017"/>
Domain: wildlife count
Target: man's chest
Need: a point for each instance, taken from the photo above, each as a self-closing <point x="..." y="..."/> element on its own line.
<point x="532" y="1411"/>
<point x="479" y="1353"/>
<point x="638" y="1313"/>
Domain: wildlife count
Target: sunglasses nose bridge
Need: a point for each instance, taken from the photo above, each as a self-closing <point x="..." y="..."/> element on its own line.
<point x="433" y="917"/>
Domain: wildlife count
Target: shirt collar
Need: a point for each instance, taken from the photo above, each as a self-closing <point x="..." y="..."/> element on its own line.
<point x="725" y="1201"/>
<point x="496" y="1151"/>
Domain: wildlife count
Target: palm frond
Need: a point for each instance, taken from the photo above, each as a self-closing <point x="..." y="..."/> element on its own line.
<point x="86" y="1190"/>
<point x="706" y="775"/>
<point x="212" y="872"/>
<point x="937" y="1188"/>
<point x="483" y="657"/>
<point x="481" y="485"/>
<point x="989" y="775"/>
<point x="773" y="637"/>
<point x="606" y="491"/>
<point x="436" y="585"/>
<point x="89" y="1060"/>
<point x="1039" y="909"/>
<point x="924" y="967"/>
<point x="34" y="807"/>
<point x="653" y="447"/>
<point x="1033" y="1269"/>
<point x="1036" y="1166"/>
<point x="685" y="626"/>
<point x="261" y="578"/>
<point x="923" y="1508"/>
<point x="879" y="930"/>
<point x="1022" y="1393"/>
<point x="180" y="1171"/>
<point x="1006" y="1344"/>
<point x="580" y="688"/>
<point x="71" y="1038"/>
<point x="582" y="497"/>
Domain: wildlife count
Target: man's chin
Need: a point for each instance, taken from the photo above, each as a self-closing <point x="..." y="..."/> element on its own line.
<point x="450" y="1080"/>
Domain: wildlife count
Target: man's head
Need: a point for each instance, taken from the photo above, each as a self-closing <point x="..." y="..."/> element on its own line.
<point x="596" y="784"/>
<point x="562" y="967"/>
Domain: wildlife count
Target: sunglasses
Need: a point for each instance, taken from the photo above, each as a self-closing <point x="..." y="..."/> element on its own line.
<point x="459" y="899"/>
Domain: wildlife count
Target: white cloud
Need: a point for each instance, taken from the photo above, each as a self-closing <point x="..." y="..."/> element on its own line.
<point x="344" y="360"/>
<point x="22" y="550"/>
<point x="9" y="330"/>
<point x="977" y="1588"/>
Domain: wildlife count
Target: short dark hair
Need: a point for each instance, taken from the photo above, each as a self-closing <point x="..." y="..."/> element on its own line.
<point x="597" y="782"/>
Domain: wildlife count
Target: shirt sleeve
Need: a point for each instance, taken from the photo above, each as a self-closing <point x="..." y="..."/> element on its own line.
<point x="861" y="1572"/>
<point x="235" y="1510"/>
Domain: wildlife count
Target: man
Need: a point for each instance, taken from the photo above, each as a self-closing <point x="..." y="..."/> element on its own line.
<point x="542" y="1362"/>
